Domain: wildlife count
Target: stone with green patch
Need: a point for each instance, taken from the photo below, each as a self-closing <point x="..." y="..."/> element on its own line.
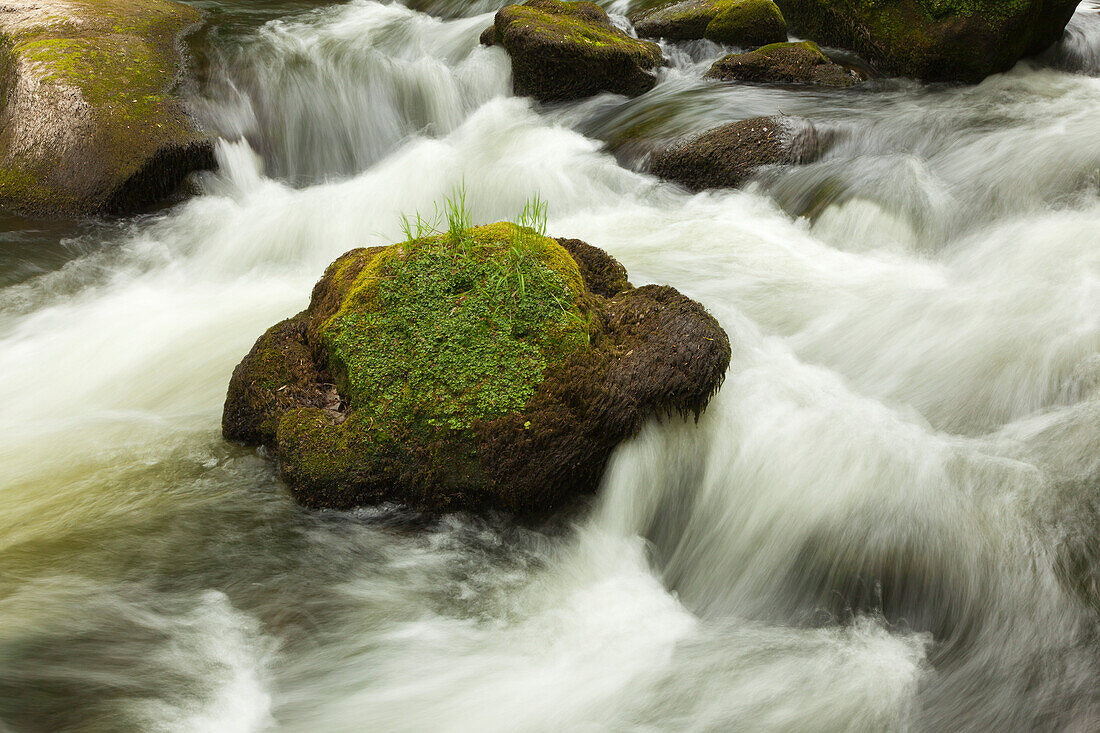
<point x="934" y="40"/>
<point x="91" y="123"/>
<point x="486" y="368"/>
<point x="783" y="63"/>
<point x="563" y="50"/>
<point x="441" y="334"/>
<point x="735" y="22"/>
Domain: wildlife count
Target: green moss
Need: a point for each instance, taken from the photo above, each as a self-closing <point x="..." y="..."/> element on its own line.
<point x="773" y="50"/>
<point x="993" y="9"/>
<point x="747" y="22"/>
<point x="681" y="21"/>
<point x="121" y="74"/>
<point x="443" y="331"/>
<point x="322" y="451"/>
<point x="934" y="40"/>
<point x="783" y="63"/>
<point x="137" y="17"/>
<point x="579" y="23"/>
<point x="16" y="183"/>
<point x="121" y="57"/>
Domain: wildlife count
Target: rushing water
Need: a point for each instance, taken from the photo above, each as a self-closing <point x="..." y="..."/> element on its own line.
<point x="887" y="520"/>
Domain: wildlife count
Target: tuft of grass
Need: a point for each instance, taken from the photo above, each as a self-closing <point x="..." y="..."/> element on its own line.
<point x="534" y="215"/>
<point x="515" y="266"/>
<point x="459" y="322"/>
<point x="459" y="221"/>
<point x="418" y="229"/>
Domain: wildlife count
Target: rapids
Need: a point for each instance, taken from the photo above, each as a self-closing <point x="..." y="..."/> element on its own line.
<point x="886" y="521"/>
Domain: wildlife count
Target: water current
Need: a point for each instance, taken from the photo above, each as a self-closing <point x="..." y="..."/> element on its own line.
<point x="887" y="520"/>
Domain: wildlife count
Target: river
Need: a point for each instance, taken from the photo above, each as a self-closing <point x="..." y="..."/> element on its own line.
<point x="887" y="520"/>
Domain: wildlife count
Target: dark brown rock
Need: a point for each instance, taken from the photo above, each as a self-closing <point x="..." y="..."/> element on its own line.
<point x="783" y="63"/>
<point x="570" y="50"/>
<point x="950" y="40"/>
<point x="649" y="352"/>
<point x="727" y="156"/>
<point x="733" y="22"/>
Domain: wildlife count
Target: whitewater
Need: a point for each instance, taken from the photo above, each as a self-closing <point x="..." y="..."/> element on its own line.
<point x="887" y="520"/>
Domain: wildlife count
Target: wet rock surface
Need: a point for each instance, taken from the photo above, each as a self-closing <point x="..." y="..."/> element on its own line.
<point x="729" y="155"/>
<point x="570" y="50"/>
<point x="783" y="63"/>
<point x="90" y="121"/>
<point x="934" y="41"/>
<point x="733" y="22"/>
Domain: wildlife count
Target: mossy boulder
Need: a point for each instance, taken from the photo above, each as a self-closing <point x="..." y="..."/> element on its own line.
<point x="783" y="63"/>
<point x="90" y="123"/>
<point x="934" y="40"/>
<point x="495" y="370"/>
<point x="570" y="50"/>
<point x="727" y="156"/>
<point x="734" y="22"/>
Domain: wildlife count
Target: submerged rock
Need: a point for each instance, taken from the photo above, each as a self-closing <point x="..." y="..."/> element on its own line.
<point x="1075" y="526"/>
<point x="783" y="63"/>
<point x="89" y="121"/>
<point x="734" y="22"/>
<point x="727" y="156"/>
<point x="496" y="370"/>
<point x="934" y="40"/>
<point x="570" y="50"/>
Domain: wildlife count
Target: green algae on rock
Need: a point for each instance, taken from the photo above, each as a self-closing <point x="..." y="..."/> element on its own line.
<point x="564" y="50"/>
<point x="734" y="22"/>
<point x="492" y="370"/>
<point x="934" y="40"/>
<point x="783" y="63"/>
<point x="727" y="156"/>
<point x="90" y="123"/>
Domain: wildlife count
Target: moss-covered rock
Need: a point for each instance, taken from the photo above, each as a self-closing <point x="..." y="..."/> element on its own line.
<point x="783" y="63"/>
<point x="748" y="23"/>
<point x="564" y="50"/>
<point x="727" y="156"/>
<point x="493" y="370"/>
<point x="934" y="40"/>
<point x="735" y="22"/>
<point x="89" y="121"/>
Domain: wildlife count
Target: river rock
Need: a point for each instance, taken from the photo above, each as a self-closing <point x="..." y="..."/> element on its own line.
<point x="726" y="156"/>
<point x="783" y="63"/>
<point x="934" y="40"/>
<point x="495" y="370"/>
<point x="734" y="22"/>
<point x="571" y="50"/>
<point x="89" y="121"/>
